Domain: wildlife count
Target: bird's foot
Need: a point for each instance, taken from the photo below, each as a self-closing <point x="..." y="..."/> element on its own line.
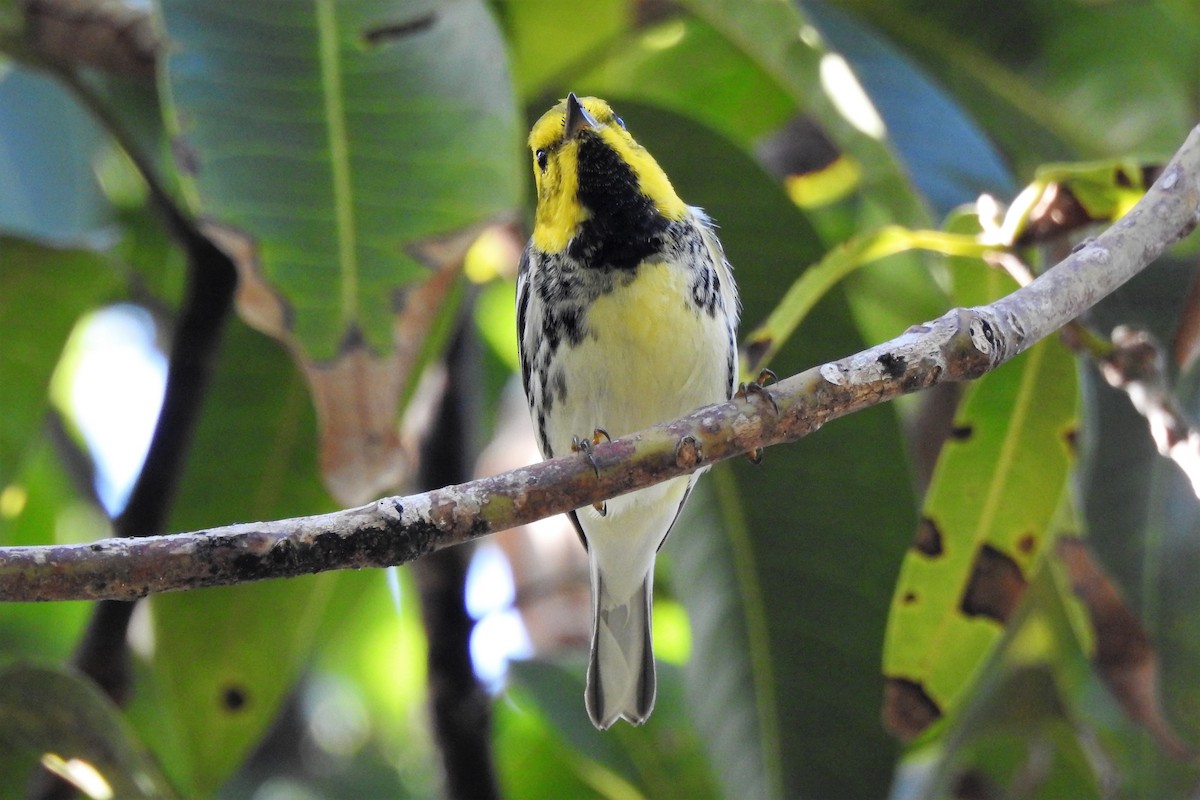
<point x="580" y="444"/>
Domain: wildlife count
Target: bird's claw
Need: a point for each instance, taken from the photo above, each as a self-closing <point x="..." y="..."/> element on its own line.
<point x="584" y="445"/>
<point x="758" y="387"/>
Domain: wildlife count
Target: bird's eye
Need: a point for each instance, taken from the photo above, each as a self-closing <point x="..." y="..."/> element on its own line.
<point x="542" y="158"/>
<point x="619" y="121"/>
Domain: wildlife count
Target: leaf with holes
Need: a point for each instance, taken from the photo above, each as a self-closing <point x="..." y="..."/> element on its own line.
<point x="985" y="522"/>
<point x="345" y="153"/>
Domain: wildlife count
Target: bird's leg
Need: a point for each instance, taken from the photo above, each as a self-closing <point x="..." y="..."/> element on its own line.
<point x="758" y="387"/>
<point x="584" y="445"/>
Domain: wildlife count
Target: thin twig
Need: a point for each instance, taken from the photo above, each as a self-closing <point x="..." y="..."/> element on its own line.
<point x="961" y="345"/>
<point x="1137" y="366"/>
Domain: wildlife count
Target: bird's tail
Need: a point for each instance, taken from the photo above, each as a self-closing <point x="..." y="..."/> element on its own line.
<point x="620" y="680"/>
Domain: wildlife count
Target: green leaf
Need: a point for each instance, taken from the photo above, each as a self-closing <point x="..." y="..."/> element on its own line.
<point x="534" y="760"/>
<point x="346" y="168"/>
<point x="364" y="130"/>
<point x="1027" y="721"/>
<point x="75" y="730"/>
<point x="985" y="522"/>
<point x="686" y="66"/>
<point x="763" y="342"/>
<point x="787" y="585"/>
<point x="1148" y="63"/>
<point x="777" y="37"/>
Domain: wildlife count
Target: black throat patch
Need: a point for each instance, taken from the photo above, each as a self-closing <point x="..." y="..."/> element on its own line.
<point x="624" y="227"/>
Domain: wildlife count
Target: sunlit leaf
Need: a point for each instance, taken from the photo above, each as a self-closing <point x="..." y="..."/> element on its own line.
<point x="553" y="41"/>
<point x="684" y="65"/>
<point x="777" y="37"/>
<point x="534" y="760"/>
<point x="949" y="159"/>
<point x="660" y="758"/>
<point x="43" y="293"/>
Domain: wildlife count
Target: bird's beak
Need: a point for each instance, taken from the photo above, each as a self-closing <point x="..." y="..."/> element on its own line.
<point x="577" y="117"/>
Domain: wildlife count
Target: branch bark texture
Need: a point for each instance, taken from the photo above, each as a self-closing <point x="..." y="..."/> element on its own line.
<point x="963" y="344"/>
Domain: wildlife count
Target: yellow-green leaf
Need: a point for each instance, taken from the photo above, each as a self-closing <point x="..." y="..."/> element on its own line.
<point x="985" y="522"/>
<point x="815" y="282"/>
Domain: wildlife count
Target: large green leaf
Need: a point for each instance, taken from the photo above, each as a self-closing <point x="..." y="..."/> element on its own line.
<point x="535" y="761"/>
<point x="660" y="759"/>
<point x="345" y="166"/>
<point x="787" y="586"/>
<point x="985" y="522"/>
<point x="1021" y="729"/>
<point x="552" y="41"/>
<point x="1148" y="62"/>
<point x="362" y="130"/>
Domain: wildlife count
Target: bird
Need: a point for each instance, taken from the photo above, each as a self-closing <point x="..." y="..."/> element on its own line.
<point x="627" y="316"/>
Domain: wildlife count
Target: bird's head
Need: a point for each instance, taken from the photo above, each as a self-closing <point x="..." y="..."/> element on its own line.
<point x="588" y="167"/>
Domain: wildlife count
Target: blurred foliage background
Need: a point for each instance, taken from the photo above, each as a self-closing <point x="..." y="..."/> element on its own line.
<point x="978" y="593"/>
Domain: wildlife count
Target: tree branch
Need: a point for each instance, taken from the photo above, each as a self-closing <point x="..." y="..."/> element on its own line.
<point x="961" y="345"/>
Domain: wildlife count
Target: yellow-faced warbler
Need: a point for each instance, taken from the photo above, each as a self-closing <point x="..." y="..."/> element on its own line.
<point x="626" y="317"/>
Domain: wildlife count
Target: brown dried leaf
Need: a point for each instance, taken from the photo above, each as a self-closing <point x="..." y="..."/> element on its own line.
<point x="357" y="394"/>
<point x="1124" y="657"/>
<point x="1186" y="347"/>
<point x="109" y="35"/>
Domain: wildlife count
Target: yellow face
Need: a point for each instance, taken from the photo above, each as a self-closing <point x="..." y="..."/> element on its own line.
<point x="556" y="169"/>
